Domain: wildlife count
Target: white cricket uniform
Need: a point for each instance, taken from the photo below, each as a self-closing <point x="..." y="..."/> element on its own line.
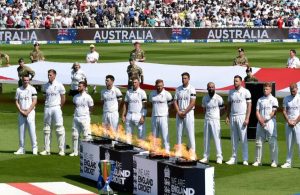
<point x="183" y="96"/>
<point x="265" y="106"/>
<point x="25" y="97"/>
<point x="212" y="125"/>
<point x="53" y="113"/>
<point x="77" y="77"/>
<point x="92" y="56"/>
<point x="239" y="99"/>
<point x="292" y="106"/>
<point x="111" y="98"/>
<point x="160" y="112"/>
<point x="293" y="62"/>
<point x="135" y="100"/>
<point x="82" y="119"/>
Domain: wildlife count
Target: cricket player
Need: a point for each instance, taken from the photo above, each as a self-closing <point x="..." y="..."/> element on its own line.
<point x="81" y="123"/>
<point x="184" y="103"/>
<point x="134" y="110"/>
<point x="238" y="113"/>
<point x="291" y="113"/>
<point x="26" y="99"/>
<point x="266" y="129"/>
<point x="111" y="98"/>
<point x="55" y="99"/>
<point x="213" y="105"/>
<point x="160" y="99"/>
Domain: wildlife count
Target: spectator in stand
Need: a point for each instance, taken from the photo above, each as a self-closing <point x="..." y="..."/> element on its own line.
<point x="293" y="61"/>
<point x="280" y="22"/>
<point x="48" y="22"/>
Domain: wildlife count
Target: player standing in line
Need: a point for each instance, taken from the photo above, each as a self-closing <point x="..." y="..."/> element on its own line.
<point x="81" y="123"/>
<point x="213" y="105"/>
<point x="160" y="99"/>
<point x="26" y="99"/>
<point x="184" y="103"/>
<point x="135" y="110"/>
<point x="111" y="98"/>
<point x="266" y="129"/>
<point x="238" y="113"/>
<point x="291" y="113"/>
<point x="55" y="99"/>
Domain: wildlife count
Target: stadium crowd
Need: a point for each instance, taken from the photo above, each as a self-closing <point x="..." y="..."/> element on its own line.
<point x="148" y="13"/>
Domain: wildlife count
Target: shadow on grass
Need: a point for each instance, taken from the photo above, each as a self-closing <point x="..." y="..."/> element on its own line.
<point x="9" y="151"/>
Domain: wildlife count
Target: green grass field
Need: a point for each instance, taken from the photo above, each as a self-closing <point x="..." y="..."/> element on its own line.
<point x="228" y="179"/>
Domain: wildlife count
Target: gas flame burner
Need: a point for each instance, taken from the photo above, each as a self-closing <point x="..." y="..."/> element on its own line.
<point x="101" y="140"/>
<point x="185" y="162"/>
<point x="158" y="156"/>
<point x="123" y="146"/>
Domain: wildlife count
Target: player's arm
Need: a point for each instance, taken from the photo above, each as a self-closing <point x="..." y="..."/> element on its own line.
<point x="62" y="99"/>
<point x="190" y="106"/>
<point x="19" y="107"/>
<point x="248" y="112"/>
<point x="221" y="106"/>
<point x="33" y="104"/>
<point x="124" y="112"/>
<point x="144" y="109"/>
<point x="260" y="119"/>
<point x="91" y="105"/>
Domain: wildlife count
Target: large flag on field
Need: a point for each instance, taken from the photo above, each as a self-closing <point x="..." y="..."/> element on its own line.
<point x="222" y="76"/>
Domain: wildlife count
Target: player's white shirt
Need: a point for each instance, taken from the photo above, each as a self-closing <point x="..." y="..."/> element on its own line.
<point x="212" y="106"/>
<point x="25" y="96"/>
<point x="92" y="56"/>
<point x="82" y="104"/>
<point x="135" y="100"/>
<point x="53" y="92"/>
<point x="160" y="102"/>
<point x="293" y="62"/>
<point x="266" y="105"/>
<point x="111" y="98"/>
<point x="77" y="77"/>
<point x="292" y="106"/>
<point x="184" y="95"/>
<point x="238" y="100"/>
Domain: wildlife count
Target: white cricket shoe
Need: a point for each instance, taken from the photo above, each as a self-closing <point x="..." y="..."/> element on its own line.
<point x="73" y="154"/>
<point x="44" y="153"/>
<point x="286" y="165"/>
<point x="35" y="151"/>
<point x="245" y="163"/>
<point x="204" y="160"/>
<point x="219" y="161"/>
<point x="231" y="161"/>
<point x="61" y="153"/>
<point x="20" y="151"/>
<point x="256" y="164"/>
<point x="273" y="164"/>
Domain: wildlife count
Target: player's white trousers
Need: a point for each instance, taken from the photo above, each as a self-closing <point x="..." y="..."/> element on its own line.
<point x="212" y="128"/>
<point x="269" y="134"/>
<point x="238" y="133"/>
<point x="80" y="124"/>
<point x="160" y="125"/>
<point x="111" y="120"/>
<point x="53" y="115"/>
<point x="132" y="122"/>
<point x="292" y="135"/>
<point x="25" y="122"/>
<point x="187" y="123"/>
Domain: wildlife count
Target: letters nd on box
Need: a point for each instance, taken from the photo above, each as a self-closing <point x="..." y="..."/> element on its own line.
<point x="122" y="179"/>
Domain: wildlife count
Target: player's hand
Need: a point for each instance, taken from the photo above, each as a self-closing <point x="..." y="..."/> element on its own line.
<point x="123" y="119"/>
<point x="142" y="120"/>
<point x="181" y="114"/>
<point x="291" y="123"/>
<point x="227" y="120"/>
<point x="246" y="122"/>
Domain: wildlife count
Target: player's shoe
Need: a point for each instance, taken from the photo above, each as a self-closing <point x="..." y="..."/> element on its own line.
<point x="20" y="151"/>
<point x="35" y="151"/>
<point x="204" y="160"/>
<point x="245" y="163"/>
<point x="274" y="164"/>
<point x="219" y="161"/>
<point x="256" y="164"/>
<point x="61" y="153"/>
<point x="73" y="154"/>
<point x="286" y="165"/>
<point x="231" y="161"/>
<point x="44" y="153"/>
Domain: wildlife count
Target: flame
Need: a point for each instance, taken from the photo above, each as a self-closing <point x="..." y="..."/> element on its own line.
<point x="151" y="143"/>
